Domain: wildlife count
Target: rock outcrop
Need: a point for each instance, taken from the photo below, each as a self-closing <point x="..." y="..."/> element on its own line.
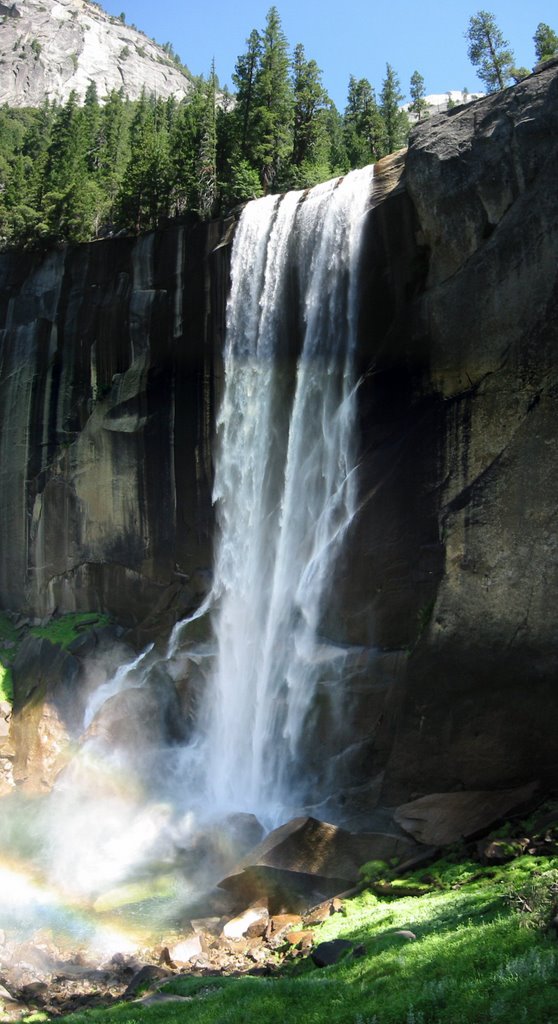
<point x="108" y="377"/>
<point x="49" y="48"/>
<point x="109" y="371"/>
<point x="307" y="860"/>
<point x="471" y="448"/>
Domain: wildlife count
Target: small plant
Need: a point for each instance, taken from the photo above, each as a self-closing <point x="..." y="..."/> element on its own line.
<point x="124" y="53"/>
<point x="424" y="616"/>
<point x="537" y="901"/>
<point x="375" y="870"/>
<point x="36" y="47"/>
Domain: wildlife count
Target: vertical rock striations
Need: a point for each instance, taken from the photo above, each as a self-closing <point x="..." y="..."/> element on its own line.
<point x="107" y="378"/>
<point x="461" y="449"/>
<point x="109" y="362"/>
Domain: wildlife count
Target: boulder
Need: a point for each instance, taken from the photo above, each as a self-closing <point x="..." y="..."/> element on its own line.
<point x="145" y="978"/>
<point x="442" y="818"/>
<point x="253" y="920"/>
<point x="304" y="939"/>
<point x="316" y="915"/>
<point x="186" y="950"/>
<point x="307" y="859"/>
<point x="147" y="713"/>
<point x="328" y="953"/>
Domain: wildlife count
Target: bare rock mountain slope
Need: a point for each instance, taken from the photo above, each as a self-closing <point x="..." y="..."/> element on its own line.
<point x="50" y="47"/>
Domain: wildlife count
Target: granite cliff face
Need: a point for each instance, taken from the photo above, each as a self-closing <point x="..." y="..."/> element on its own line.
<point x="108" y="380"/>
<point x="109" y="367"/>
<point x="50" y="47"/>
<point x="461" y="424"/>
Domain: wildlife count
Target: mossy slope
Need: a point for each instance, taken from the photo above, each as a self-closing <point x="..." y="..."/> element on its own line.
<point x="473" y="960"/>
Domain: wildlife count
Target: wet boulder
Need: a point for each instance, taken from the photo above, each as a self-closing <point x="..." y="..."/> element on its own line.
<point x="307" y="860"/>
<point x="144" y="714"/>
<point x="443" y="818"/>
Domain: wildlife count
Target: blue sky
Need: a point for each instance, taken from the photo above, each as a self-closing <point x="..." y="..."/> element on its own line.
<point x="344" y="36"/>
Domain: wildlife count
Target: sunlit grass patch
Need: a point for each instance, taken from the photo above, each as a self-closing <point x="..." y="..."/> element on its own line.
<point x="64" y="630"/>
<point x="471" y="963"/>
<point x="6" y="685"/>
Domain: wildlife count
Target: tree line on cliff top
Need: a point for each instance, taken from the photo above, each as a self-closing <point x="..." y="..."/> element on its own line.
<point x="72" y="172"/>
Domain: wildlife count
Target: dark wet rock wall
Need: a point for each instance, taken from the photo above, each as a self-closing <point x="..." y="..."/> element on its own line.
<point x="109" y="372"/>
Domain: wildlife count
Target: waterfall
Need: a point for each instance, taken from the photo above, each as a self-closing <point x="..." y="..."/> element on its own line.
<point x="131" y="801"/>
<point x="285" y="486"/>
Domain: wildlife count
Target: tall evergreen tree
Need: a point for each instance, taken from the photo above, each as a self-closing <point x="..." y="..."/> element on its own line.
<point x="183" y="143"/>
<point x="70" y="200"/>
<point x="337" y="152"/>
<point x="114" y="151"/>
<point x="546" y="42"/>
<point x="418" y="104"/>
<point x="365" y="131"/>
<point x="207" y="151"/>
<point x="489" y="52"/>
<point x="144" y="193"/>
<point x="245" y="77"/>
<point x="92" y="127"/>
<point x="309" y="98"/>
<point x="273" y="103"/>
<point x="25" y="178"/>
<point x="395" y="120"/>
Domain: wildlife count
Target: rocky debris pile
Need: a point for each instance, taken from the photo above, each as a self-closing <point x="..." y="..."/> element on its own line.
<point x="38" y="975"/>
<point x="252" y="939"/>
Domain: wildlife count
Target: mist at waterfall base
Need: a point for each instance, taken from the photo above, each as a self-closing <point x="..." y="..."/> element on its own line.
<point x="139" y="824"/>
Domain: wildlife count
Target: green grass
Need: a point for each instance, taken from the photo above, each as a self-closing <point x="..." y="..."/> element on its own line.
<point x="59" y="631"/>
<point x="6" y="685"/>
<point x="473" y="962"/>
<point x="63" y="630"/>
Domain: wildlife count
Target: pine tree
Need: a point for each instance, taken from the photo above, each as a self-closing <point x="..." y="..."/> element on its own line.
<point x="488" y="51"/>
<point x="365" y="130"/>
<point x="144" y="193"/>
<point x="24" y="141"/>
<point x="207" y="150"/>
<point x="546" y="42"/>
<point x="337" y="152"/>
<point x="184" y="143"/>
<point x="92" y="126"/>
<point x="395" y="120"/>
<point x="273" y="104"/>
<point x="245" y="78"/>
<point x="71" y="199"/>
<point x="310" y="98"/>
<point x="418" y="104"/>
<point x="114" y="152"/>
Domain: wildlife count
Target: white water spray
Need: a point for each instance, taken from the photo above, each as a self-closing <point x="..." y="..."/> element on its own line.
<point x="286" y="495"/>
<point x="284" y="487"/>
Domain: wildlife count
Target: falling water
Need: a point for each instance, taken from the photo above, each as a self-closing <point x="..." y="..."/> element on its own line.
<point x="285" y="483"/>
<point x="285" y="492"/>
